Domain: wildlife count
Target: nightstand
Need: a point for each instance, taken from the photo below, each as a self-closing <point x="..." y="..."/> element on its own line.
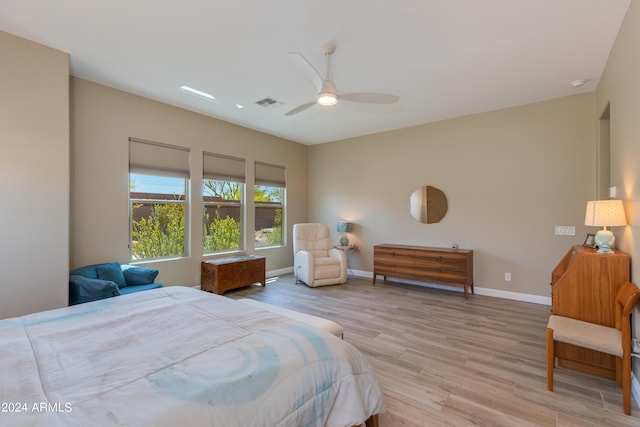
<point x="348" y="250"/>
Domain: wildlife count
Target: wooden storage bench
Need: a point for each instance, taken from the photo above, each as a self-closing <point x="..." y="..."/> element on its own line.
<point x="220" y="275"/>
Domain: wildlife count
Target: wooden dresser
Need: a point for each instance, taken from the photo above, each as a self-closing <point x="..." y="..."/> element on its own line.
<point x="425" y="264"/>
<point x="584" y="286"/>
<point x="220" y="275"/>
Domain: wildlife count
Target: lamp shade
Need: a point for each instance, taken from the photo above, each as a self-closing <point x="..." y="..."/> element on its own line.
<point x="605" y="213"/>
<point x="345" y="227"/>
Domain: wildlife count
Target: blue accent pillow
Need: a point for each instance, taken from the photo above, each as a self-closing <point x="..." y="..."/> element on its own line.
<point x="112" y="272"/>
<point x="140" y="275"/>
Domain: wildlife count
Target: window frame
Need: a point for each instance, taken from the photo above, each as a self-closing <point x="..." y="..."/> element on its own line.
<point x="154" y="159"/>
<point x="270" y="176"/>
<point x="224" y="168"/>
<point x="232" y="203"/>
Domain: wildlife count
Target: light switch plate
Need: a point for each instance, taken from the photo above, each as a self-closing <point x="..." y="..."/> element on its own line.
<point x="565" y="230"/>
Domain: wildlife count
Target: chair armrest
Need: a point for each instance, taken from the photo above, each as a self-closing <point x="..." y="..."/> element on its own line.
<point x="340" y="255"/>
<point x="83" y="289"/>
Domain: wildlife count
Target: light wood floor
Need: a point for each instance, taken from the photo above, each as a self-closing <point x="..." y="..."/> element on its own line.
<point x="442" y="361"/>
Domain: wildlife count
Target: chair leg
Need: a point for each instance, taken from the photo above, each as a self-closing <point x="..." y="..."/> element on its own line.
<point x="619" y="374"/>
<point x="551" y="356"/>
<point x="626" y="382"/>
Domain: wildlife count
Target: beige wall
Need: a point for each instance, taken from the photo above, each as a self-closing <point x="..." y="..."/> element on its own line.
<point x="103" y="121"/>
<point x="34" y="175"/>
<point x="620" y="87"/>
<point x="510" y="177"/>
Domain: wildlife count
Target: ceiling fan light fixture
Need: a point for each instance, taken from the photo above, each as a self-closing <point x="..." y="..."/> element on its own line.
<point x="327" y="98"/>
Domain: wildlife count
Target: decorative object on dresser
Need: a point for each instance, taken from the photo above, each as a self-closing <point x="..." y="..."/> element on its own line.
<point x="584" y="285"/>
<point x="344" y="227"/>
<point x="221" y="275"/>
<point x="604" y="213"/>
<point x="425" y="264"/>
<point x="615" y="341"/>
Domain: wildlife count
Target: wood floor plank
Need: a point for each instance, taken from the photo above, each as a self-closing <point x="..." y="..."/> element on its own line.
<point x="444" y="361"/>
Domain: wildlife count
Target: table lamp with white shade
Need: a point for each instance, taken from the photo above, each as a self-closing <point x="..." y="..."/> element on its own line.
<point x="605" y="213"/>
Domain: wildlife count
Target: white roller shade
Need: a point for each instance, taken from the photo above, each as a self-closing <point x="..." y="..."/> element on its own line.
<point x="270" y="175"/>
<point x="223" y="168"/>
<point x="154" y="158"/>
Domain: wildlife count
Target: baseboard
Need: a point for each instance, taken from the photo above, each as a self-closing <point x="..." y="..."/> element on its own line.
<point x="280" y="272"/>
<point x="536" y="299"/>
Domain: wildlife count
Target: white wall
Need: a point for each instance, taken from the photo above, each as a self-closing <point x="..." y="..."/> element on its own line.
<point x="34" y="177"/>
<point x="510" y="177"/>
<point x="103" y="121"/>
<point x="620" y="87"/>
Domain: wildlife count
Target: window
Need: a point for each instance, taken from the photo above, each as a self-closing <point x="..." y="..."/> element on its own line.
<point x="222" y="195"/>
<point x="158" y="183"/>
<point x="269" y="194"/>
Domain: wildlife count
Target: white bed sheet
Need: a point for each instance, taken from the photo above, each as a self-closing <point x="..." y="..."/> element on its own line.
<point x="178" y="356"/>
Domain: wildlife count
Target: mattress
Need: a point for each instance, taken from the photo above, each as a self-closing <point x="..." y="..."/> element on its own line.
<point x="178" y="356"/>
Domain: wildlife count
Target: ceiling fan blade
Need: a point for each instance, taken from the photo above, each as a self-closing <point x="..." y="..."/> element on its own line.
<point x="308" y="63"/>
<point x="370" y="98"/>
<point x="300" y="108"/>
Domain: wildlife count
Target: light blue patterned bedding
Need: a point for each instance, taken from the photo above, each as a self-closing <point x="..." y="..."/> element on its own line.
<point x="178" y="356"/>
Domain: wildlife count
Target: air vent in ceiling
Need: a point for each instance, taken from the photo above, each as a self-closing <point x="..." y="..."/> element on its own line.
<point x="269" y="102"/>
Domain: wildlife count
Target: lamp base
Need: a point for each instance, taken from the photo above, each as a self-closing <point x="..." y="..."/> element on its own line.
<point x="604" y="240"/>
<point x="344" y="240"/>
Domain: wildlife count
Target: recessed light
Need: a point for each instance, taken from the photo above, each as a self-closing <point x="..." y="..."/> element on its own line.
<point x="578" y="83"/>
<point x="238" y="106"/>
<point x="197" y="92"/>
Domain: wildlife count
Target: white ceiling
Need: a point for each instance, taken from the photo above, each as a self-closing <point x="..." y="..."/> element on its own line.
<point x="444" y="58"/>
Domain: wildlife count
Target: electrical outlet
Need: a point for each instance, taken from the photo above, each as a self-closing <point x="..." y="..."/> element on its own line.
<point x="507" y="277"/>
<point x="565" y="230"/>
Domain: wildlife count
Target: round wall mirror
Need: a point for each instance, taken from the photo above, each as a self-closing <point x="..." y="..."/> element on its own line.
<point x="428" y="205"/>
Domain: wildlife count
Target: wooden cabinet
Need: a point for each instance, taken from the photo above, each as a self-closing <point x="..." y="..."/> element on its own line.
<point x="584" y="286"/>
<point x="220" y="275"/>
<point x="425" y="264"/>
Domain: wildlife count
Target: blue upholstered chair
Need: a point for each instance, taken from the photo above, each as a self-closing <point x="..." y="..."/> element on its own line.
<point x="99" y="281"/>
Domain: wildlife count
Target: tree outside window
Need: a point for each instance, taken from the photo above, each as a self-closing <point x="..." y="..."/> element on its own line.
<point x="269" y="205"/>
<point x="222" y="215"/>
<point x="157" y="205"/>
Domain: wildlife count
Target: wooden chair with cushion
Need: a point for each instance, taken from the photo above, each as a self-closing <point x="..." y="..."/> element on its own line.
<point x="615" y="341"/>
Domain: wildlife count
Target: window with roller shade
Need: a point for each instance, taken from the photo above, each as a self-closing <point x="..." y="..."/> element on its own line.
<point x="222" y="195"/>
<point x="269" y="197"/>
<point x="158" y="183"/>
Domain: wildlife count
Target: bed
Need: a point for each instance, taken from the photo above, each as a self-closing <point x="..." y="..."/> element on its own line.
<point x="179" y="356"/>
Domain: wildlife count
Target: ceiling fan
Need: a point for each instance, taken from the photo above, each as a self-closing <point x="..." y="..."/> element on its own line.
<point x="329" y="94"/>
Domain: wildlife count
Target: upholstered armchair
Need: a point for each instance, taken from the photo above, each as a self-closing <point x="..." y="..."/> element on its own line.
<point x="316" y="261"/>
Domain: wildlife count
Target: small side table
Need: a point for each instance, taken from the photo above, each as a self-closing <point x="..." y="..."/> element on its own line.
<point x="348" y="251"/>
